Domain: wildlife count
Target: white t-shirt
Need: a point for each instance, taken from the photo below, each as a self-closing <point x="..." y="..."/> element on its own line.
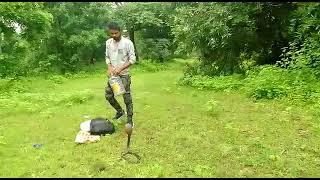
<point x="118" y="53"/>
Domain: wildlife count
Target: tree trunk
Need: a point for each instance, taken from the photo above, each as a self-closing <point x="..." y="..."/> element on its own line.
<point x="131" y="36"/>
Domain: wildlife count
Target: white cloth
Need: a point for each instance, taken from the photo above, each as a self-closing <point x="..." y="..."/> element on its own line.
<point x="85" y="126"/>
<point x="86" y="137"/>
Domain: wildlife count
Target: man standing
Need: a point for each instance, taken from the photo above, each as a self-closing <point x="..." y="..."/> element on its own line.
<point x="120" y="56"/>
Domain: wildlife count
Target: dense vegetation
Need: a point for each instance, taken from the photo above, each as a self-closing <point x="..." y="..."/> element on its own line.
<point x="63" y="36"/>
<point x="268" y="49"/>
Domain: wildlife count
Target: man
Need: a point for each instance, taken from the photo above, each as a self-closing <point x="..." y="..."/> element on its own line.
<point x="120" y="56"/>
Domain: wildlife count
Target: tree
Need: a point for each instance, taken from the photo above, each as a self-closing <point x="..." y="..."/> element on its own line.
<point x="218" y="32"/>
<point x="272" y="22"/>
<point x="78" y="34"/>
<point x="222" y="33"/>
<point x="19" y="47"/>
<point x="136" y="16"/>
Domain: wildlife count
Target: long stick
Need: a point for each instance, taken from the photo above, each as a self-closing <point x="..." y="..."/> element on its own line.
<point x="128" y="142"/>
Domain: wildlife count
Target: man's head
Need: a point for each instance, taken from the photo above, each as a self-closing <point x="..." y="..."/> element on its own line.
<point x="114" y="31"/>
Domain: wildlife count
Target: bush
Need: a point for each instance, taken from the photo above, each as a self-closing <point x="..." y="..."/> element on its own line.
<point x="268" y="83"/>
<point x="35" y="102"/>
<point x="10" y="85"/>
<point x="218" y="83"/>
<point x="76" y="97"/>
<point x="156" y="49"/>
<point x="149" y="66"/>
<point x="58" y="79"/>
<point x="263" y="82"/>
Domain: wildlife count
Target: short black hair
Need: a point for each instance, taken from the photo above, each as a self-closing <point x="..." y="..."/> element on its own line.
<point x="114" y="26"/>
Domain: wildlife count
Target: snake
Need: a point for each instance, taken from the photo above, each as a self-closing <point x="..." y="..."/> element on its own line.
<point x="128" y="152"/>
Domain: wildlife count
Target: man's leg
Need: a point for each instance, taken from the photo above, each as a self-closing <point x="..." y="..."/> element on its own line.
<point x="126" y="80"/>
<point x="113" y="102"/>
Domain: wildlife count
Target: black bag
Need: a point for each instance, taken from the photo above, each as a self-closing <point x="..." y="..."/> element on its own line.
<point x="101" y="126"/>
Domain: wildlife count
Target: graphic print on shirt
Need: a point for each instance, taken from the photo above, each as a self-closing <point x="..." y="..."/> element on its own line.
<point x="120" y="54"/>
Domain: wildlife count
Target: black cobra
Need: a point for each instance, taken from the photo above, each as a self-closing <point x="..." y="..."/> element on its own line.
<point x="128" y="129"/>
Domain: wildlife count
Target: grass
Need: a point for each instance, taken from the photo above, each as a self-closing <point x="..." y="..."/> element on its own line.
<point x="179" y="132"/>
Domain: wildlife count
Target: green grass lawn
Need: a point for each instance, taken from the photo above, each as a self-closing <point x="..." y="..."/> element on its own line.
<point x="179" y="132"/>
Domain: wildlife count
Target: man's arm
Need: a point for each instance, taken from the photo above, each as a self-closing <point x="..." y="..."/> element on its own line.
<point x="131" y="53"/>
<point x="110" y="69"/>
<point x="107" y="58"/>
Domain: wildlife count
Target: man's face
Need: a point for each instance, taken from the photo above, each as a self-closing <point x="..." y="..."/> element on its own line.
<point x="115" y="34"/>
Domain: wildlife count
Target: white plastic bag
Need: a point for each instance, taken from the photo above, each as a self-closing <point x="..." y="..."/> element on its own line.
<point x="85" y="126"/>
<point x="117" y="85"/>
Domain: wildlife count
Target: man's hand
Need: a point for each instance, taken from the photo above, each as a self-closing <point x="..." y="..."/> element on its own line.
<point x="110" y="70"/>
<point x="117" y="71"/>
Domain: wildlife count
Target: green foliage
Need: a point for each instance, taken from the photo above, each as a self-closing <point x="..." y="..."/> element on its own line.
<point x="300" y="58"/>
<point x="228" y="38"/>
<point x="315" y="108"/>
<point x="87" y="44"/>
<point x="222" y="83"/>
<point x="156" y="50"/>
<point x="149" y="66"/>
<point x="151" y="23"/>
<point x="77" y="98"/>
<point x="17" y="49"/>
<point x="32" y="22"/>
<point x="213" y="107"/>
<point x="58" y="79"/>
<point x="2" y="141"/>
<point x="13" y="85"/>
<point x="222" y="32"/>
<point x="35" y="102"/>
<point x="78" y="34"/>
<point x="304" y="50"/>
<point x="272" y="23"/>
<point x="265" y="82"/>
<point x="217" y="31"/>
<point x="269" y="83"/>
<point x="44" y="65"/>
<point x="136" y="16"/>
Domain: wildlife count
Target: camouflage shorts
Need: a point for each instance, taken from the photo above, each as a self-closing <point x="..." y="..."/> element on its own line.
<point x="126" y="80"/>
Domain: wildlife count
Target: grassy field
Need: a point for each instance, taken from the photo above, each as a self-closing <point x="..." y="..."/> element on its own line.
<point x="179" y="131"/>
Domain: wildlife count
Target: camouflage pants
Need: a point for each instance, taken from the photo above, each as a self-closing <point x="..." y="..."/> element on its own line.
<point x="126" y="80"/>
